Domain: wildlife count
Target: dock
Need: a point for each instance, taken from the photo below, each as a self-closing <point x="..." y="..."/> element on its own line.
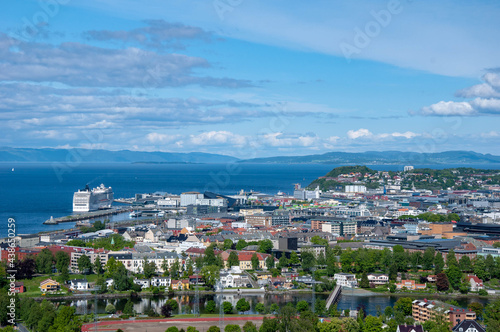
<point x="85" y="216"/>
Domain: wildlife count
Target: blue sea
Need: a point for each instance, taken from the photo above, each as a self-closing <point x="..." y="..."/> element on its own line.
<point x="33" y="192"/>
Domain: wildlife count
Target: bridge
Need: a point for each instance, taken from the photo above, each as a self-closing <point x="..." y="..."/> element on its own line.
<point x="334" y="297"/>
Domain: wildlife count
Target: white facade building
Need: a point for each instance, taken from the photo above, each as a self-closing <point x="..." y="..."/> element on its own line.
<point x="346" y="280"/>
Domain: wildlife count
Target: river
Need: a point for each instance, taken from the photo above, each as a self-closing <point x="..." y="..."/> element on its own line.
<point x="370" y="304"/>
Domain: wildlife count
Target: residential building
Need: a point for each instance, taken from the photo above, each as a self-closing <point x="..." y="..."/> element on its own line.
<point x="410" y="328"/>
<point x="49" y="285"/>
<point x="245" y="259"/>
<point x="19" y="287"/>
<point x="423" y="310"/>
<point x="410" y="284"/>
<point x="180" y="284"/>
<point x="144" y="283"/>
<point x="475" y="283"/>
<point x="378" y="278"/>
<point x="79" y="284"/>
<point x="160" y="282"/>
<point x="346" y="280"/>
<point x="468" y="326"/>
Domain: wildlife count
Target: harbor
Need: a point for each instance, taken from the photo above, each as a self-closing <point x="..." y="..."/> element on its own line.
<point x="86" y="216"/>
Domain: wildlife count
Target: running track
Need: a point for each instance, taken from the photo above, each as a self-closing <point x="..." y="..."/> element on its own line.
<point x="90" y="327"/>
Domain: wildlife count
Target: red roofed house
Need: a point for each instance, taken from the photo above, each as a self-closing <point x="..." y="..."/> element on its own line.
<point x="410" y="284"/>
<point x="475" y="283"/>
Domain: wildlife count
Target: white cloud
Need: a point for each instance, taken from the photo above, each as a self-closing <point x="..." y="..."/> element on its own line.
<point x="218" y="137"/>
<point x="279" y="139"/>
<point x="449" y="108"/>
<point x="365" y="133"/>
<point x="354" y="134"/>
<point x="157" y="138"/>
<point x="487" y="100"/>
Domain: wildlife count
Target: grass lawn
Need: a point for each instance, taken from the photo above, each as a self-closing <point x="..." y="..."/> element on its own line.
<point x="33" y="285"/>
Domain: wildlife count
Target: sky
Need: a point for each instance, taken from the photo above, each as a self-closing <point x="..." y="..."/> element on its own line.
<point x="251" y="78"/>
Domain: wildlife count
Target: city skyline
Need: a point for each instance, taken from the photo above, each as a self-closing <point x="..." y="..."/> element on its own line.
<point x="227" y="77"/>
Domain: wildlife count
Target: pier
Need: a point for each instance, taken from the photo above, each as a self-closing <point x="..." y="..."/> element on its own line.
<point x="85" y="216"/>
<point x="334" y="296"/>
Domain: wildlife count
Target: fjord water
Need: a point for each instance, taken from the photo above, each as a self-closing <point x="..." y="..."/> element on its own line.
<point x="33" y="192"/>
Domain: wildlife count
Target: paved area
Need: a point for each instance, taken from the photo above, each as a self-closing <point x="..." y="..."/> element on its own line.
<point x="160" y="325"/>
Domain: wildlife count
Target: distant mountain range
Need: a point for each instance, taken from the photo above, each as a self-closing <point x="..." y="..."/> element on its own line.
<point x="340" y="158"/>
<point x="103" y="156"/>
<point x="384" y="158"/>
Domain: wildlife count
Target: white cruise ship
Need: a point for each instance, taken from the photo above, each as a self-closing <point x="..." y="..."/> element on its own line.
<point x="87" y="200"/>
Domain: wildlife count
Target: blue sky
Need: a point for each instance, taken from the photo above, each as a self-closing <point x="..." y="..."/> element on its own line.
<point x="251" y="78"/>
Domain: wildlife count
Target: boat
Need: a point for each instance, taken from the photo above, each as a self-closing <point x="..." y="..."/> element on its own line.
<point x="135" y="214"/>
<point x="87" y="200"/>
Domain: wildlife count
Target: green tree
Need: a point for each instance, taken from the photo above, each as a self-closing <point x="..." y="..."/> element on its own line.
<point x="110" y="309"/>
<point x="62" y="260"/>
<point x="210" y="257"/>
<point x="283" y="262"/>
<point x="128" y="309"/>
<point x="372" y="324"/>
<point x="404" y="305"/>
<point x="302" y="306"/>
<point x="172" y="329"/>
<point x="265" y="246"/>
<point x="438" y="263"/>
<point x="84" y="264"/>
<point x="308" y="260"/>
<point x="149" y="268"/>
<point x="213" y="328"/>
<point x="241" y="244"/>
<point x="228" y="244"/>
<point x="249" y="327"/>
<point x="320" y="307"/>
<point x="428" y="258"/>
<point x="165" y="267"/>
<point x="454" y="275"/>
<point x="269" y="325"/>
<point x="465" y="264"/>
<point x="101" y="283"/>
<point x="255" y="261"/>
<point x="480" y="267"/>
<point x="233" y="259"/>
<point x="388" y="312"/>
<point x="210" y="275"/>
<point x="364" y="283"/>
<point x="270" y="262"/>
<point x="192" y="329"/>
<point x="98" y="269"/>
<point x="211" y="306"/>
<point x="260" y="308"/>
<point x="44" y="261"/>
<point x="173" y="304"/>
<point x="478" y="308"/>
<point x="274" y="308"/>
<point x="121" y="281"/>
<point x="111" y="267"/>
<point x="294" y="258"/>
<point x="66" y="321"/>
<point x="242" y="305"/>
<point x="232" y="328"/>
<point x="227" y="307"/>
<point x="286" y="314"/>
<point x="319" y="240"/>
<point x="451" y="258"/>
